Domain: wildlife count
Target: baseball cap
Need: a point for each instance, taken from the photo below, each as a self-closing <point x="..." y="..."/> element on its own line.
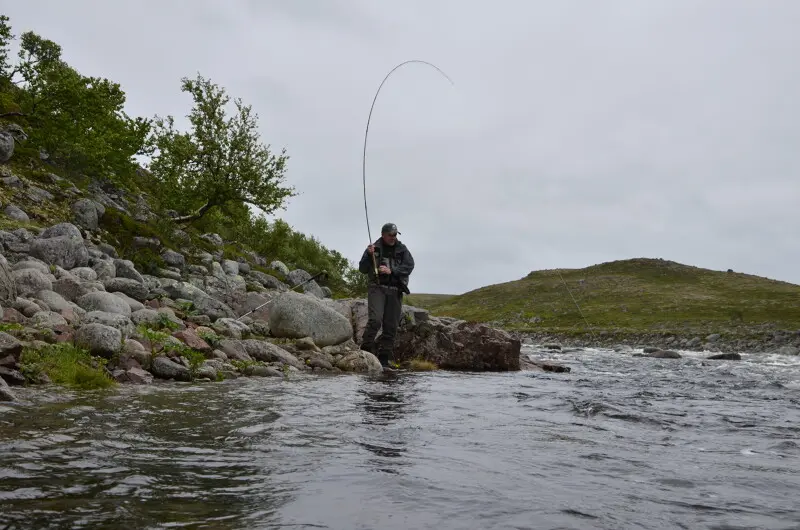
<point x="390" y="228"/>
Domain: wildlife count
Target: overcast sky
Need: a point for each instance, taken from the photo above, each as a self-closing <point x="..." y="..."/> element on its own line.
<point x="575" y="133"/>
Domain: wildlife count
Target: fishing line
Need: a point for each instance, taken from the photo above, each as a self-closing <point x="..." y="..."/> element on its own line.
<point x="366" y="133"/>
<point x="576" y="303"/>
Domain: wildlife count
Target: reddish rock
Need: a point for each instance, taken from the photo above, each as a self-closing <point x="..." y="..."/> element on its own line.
<point x="193" y="340"/>
<point x="12" y="315"/>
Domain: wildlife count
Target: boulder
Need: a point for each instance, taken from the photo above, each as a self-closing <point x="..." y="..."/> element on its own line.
<point x="297" y="315"/>
<point x="455" y="344"/>
<point x="99" y="339"/>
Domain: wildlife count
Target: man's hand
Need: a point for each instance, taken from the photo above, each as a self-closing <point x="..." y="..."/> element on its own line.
<point x="371" y="249"/>
<point x="383" y="269"/>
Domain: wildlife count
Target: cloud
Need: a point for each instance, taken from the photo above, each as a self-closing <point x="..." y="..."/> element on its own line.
<point x="575" y="132"/>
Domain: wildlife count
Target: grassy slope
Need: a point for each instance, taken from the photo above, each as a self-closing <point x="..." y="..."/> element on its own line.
<point x="636" y="295"/>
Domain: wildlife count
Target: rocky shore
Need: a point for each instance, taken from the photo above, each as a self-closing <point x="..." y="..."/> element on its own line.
<point x="759" y="339"/>
<point x="67" y="296"/>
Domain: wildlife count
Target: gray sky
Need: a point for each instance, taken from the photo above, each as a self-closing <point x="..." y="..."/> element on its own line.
<point x="576" y="132"/>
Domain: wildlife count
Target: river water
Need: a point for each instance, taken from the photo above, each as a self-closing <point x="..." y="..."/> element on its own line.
<point x="620" y="442"/>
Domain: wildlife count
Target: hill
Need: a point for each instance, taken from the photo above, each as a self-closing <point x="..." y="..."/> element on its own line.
<point x="629" y="298"/>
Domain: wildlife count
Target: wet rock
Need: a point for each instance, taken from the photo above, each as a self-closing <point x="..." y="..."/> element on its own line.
<point x="664" y="354"/>
<point x="165" y="368"/>
<point x="456" y="344"/>
<point x="11" y="376"/>
<point x="726" y="357"/>
<point x="359" y="361"/>
<point x="268" y="352"/>
<point x="6" y="393"/>
<point x="138" y="376"/>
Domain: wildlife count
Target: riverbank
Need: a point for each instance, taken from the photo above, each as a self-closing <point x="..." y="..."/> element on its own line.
<point x="755" y="339"/>
<point x="76" y="314"/>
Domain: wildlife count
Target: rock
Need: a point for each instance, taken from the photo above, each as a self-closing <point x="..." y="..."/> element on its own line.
<point x="47" y="319"/>
<point x="71" y="288"/>
<point x="136" y="290"/>
<point x="86" y="214"/>
<point x="714" y="337"/>
<point x="165" y="368"/>
<point x="279" y="267"/>
<point x="726" y="357"/>
<point x="139" y="377"/>
<point x="664" y="354"/>
<point x="11" y="376"/>
<point x="268" y="281"/>
<point x="173" y="259"/>
<point x="5" y="392"/>
<point x="104" y="301"/>
<point x="114" y="320"/>
<point x="135" y="305"/>
<point x="65" y="251"/>
<point x="99" y="339"/>
<point x="84" y="273"/>
<point x="230" y="327"/>
<point x="192" y="340"/>
<point x="298" y="276"/>
<point x="9" y="346"/>
<point x="295" y="315"/>
<point x="29" y="281"/>
<point x="359" y="361"/>
<point x="14" y="212"/>
<point x="268" y="352"/>
<point x="31" y="264"/>
<point x="456" y="344"/>
<point x="105" y="270"/>
<point x="125" y="269"/>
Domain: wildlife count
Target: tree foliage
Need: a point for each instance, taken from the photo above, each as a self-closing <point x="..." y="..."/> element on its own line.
<point x="221" y="161"/>
<point x="77" y="120"/>
<point x="212" y="173"/>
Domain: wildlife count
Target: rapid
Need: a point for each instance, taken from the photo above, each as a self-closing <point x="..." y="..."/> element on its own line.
<point x="619" y="442"/>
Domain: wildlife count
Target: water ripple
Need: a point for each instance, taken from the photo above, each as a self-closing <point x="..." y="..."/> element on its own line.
<point x="619" y="442"/>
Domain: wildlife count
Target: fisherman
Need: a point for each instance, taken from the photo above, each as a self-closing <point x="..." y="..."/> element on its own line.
<point x="385" y="292"/>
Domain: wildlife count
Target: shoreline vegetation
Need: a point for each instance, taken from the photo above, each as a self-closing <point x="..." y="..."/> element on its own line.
<point x="116" y="272"/>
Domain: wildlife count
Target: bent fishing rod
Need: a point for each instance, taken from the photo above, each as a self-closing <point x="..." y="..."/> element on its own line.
<point x="317" y="275"/>
<point x="366" y="133"/>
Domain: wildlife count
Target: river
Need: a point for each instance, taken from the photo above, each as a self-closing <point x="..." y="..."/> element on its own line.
<point x="619" y="442"/>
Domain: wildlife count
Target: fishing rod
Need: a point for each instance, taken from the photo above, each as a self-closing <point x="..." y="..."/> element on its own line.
<point x="317" y="275"/>
<point x="366" y="133"/>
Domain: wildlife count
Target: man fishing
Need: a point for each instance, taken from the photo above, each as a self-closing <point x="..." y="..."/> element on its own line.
<point x="385" y="293"/>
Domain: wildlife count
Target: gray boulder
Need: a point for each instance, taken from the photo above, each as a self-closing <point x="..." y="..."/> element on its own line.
<point x="99" y="339"/>
<point x="104" y="301"/>
<point x="296" y="315"/>
<point x="29" y="281"/>
<point x="165" y="368"/>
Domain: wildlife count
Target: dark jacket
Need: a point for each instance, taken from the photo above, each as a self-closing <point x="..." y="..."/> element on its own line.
<point x="401" y="262"/>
